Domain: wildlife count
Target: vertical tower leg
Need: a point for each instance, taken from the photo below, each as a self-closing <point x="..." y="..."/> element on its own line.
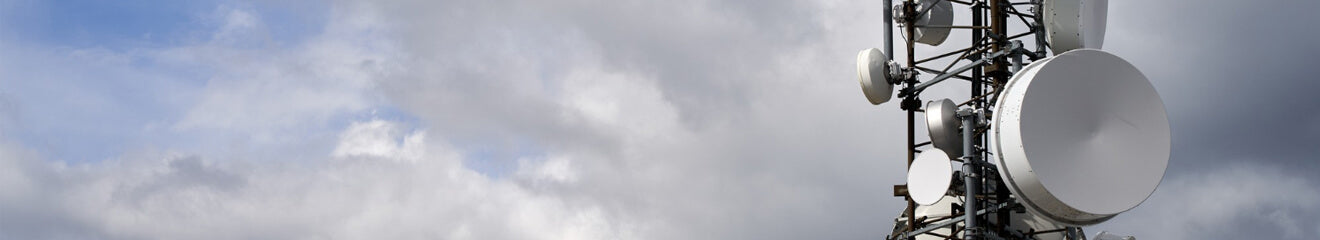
<point x="971" y="177"/>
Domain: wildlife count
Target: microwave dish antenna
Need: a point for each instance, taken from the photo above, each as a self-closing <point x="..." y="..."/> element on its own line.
<point x="1075" y="24"/>
<point x="1081" y="137"/>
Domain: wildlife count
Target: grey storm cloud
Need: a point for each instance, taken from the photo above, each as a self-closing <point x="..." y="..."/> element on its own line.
<point x="1236" y="81"/>
<point x="685" y="119"/>
<point x="1236" y="77"/>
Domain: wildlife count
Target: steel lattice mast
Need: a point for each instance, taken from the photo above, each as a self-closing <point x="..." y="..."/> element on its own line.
<point x="989" y="60"/>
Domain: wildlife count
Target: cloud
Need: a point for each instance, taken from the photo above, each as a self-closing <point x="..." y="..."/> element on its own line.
<point x="627" y="153"/>
<point x="1223" y="79"/>
<point x="308" y="83"/>
<point x="1238" y="200"/>
<point x="705" y="122"/>
<point x="375" y="138"/>
<point x="421" y="195"/>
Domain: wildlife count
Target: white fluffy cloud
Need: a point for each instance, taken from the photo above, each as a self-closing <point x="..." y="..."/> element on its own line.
<point x="262" y="85"/>
<point x="386" y="184"/>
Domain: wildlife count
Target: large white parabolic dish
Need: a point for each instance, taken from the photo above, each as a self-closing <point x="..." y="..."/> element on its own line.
<point x="929" y="176"/>
<point x="1075" y="24"/>
<point x="1081" y="137"/>
<point x="940" y="14"/>
<point x="942" y="123"/>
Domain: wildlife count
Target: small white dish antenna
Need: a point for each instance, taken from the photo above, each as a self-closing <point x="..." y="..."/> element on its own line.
<point x="929" y="176"/>
<point x="940" y="14"/>
<point x="1080" y="137"/>
<point x="1075" y="24"/>
<point x="942" y="123"/>
<point x="873" y="73"/>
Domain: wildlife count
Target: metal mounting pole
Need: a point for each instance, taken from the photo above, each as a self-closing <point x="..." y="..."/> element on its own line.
<point x="1039" y="27"/>
<point x="889" y="29"/>
<point x="909" y="27"/>
<point x="970" y="180"/>
<point x="971" y="177"/>
<point x="1017" y="63"/>
<point x="977" y="34"/>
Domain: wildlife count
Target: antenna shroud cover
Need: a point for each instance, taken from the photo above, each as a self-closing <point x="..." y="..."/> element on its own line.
<point x="942" y="124"/>
<point x="1075" y="24"/>
<point x="1080" y="137"/>
<point x="872" y="73"/>
<point x="940" y="14"/>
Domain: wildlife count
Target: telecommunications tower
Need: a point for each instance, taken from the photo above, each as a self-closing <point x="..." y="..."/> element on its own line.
<point x="1055" y="135"/>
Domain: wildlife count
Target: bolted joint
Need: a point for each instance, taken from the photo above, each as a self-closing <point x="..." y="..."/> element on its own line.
<point x="970" y="233"/>
<point x="978" y="116"/>
<point x="896" y="74"/>
<point x="971" y="174"/>
<point x="966" y="112"/>
<point x="910" y="75"/>
<point x="910" y="103"/>
<point x="903" y="13"/>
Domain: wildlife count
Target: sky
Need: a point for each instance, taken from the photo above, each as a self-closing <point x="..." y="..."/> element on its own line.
<point x="572" y="119"/>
